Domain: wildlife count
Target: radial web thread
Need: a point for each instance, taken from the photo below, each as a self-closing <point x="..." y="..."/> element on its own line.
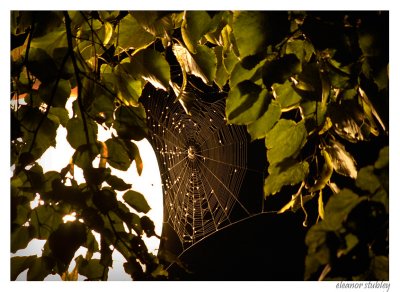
<point x="202" y="162"/>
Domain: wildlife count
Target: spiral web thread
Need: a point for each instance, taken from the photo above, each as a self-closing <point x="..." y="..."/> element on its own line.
<point x="202" y="162"/>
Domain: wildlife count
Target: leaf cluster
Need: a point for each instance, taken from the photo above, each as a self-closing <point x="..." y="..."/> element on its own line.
<point x="312" y="85"/>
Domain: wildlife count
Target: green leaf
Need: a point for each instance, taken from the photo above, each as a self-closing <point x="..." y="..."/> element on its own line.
<point x="222" y="75"/>
<point x="255" y="30"/>
<point x="76" y="135"/>
<point x="290" y="172"/>
<point x="303" y="49"/>
<point x="117" y="183"/>
<point x="92" y="269"/>
<point x="151" y="66"/>
<point x="367" y="180"/>
<point x="286" y="95"/>
<point x="380" y="268"/>
<point x="239" y="74"/>
<point x="264" y="124"/>
<point x="45" y="220"/>
<point x="137" y="201"/>
<point x="130" y="122"/>
<point x="285" y="140"/>
<point x="339" y="206"/>
<point x="20" y="238"/>
<point x="245" y="103"/>
<point x="195" y="24"/>
<point x="39" y="269"/>
<point x="59" y="113"/>
<point x="383" y="158"/>
<point x="20" y="264"/>
<point x="203" y="64"/>
<point x="132" y="35"/>
<point x="279" y="70"/>
<point x="55" y="95"/>
<point x="41" y="65"/>
<point x="128" y="84"/>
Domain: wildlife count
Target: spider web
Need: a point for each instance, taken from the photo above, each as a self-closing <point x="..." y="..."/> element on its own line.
<point x="203" y="162"/>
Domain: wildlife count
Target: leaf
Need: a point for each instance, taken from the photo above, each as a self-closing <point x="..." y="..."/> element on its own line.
<point x="325" y="175"/>
<point x="130" y="122"/>
<point x="255" y="30"/>
<point x="380" y="267"/>
<point x="289" y="173"/>
<point x="129" y="85"/>
<point x="137" y="201"/>
<point x="264" y="124"/>
<point x="92" y="269"/>
<point x="280" y="69"/>
<point x="45" y="220"/>
<point x="383" y="158"/>
<point x="147" y="225"/>
<point x="105" y="200"/>
<point x="286" y="95"/>
<point x="303" y="49"/>
<point x="60" y="113"/>
<point x="285" y="140"/>
<point x="342" y="161"/>
<point x="367" y="180"/>
<point x="239" y="74"/>
<point x="132" y="35"/>
<point x="55" y="93"/>
<point x="20" y="264"/>
<point x="41" y="65"/>
<point x="118" y="156"/>
<point x="245" y="103"/>
<point x="39" y="269"/>
<point x="151" y="66"/>
<point x="321" y="211"/>
<point x="338" y="207"/>
<point x="222" y="75"/>
<point x="20" y="238"/>
<point x="195" y="24"/>
<point x="203" y="64"/>
<point x="117" y="183"/>
<point x="76" y="135"/>
<point x="65" y="241"/>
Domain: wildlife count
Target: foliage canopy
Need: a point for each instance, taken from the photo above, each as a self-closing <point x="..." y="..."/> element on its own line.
<point x="313" y="85"/>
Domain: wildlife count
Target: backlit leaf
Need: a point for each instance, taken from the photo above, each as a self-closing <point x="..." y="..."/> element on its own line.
<point x="303" y="49"/>
<point x="222" y="75"/>
<point x="151" y="66"/>
<point x="45" y="220"/>
<point x="76" y="135"/>
<point x="203" y="64"/>
<point x="118" y="157"/>
<point x="132" y="35"/>
<point x="137" y="201"/>
<point x="195" y="24"/>
<point x="55" y="95"/>
<point x="264" y="124"/>
<point x="343" y="162"/>
<point x="285" y="140"/>
<point x="20" y="264"/>
<point x="239" y="74"/>
<point x="117" y="183"/>
<point x="20" y="238"/>
<point x="92" y="269"/>
<point x="39" y="269"/>
<point x="130" y="122"/>
<point x="288" y="173"/>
